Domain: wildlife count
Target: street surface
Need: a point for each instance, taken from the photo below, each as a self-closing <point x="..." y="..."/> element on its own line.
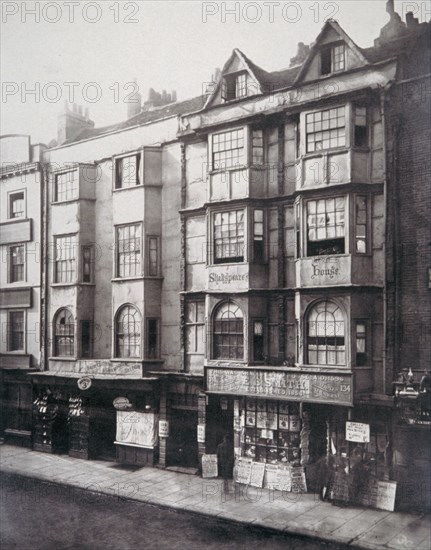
<point x="41" y="516"/>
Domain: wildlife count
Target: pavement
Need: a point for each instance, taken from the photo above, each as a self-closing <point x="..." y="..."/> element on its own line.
<point x="295" y="514"/>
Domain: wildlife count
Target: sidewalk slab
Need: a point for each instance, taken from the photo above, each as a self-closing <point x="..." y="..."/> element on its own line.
<point x="303" y="515"/>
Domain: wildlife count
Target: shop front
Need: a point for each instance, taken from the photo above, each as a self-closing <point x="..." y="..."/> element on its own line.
<point x="96" y="417"/>
<point x="302" y="429"/>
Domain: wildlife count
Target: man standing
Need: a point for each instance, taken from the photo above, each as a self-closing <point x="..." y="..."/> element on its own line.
<point x="225" y="458"/>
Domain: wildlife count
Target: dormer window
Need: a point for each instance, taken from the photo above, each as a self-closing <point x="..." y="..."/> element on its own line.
<point x="333" y="59"/>
<point x="235" y="86"/>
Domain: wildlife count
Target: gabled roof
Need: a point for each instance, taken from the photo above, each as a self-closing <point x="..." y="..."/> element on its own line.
<point x="254" y="71"/>
<point x="330" y="24"/>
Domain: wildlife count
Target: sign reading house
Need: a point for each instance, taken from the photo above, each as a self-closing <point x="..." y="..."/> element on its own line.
<point x="294" y="386"/>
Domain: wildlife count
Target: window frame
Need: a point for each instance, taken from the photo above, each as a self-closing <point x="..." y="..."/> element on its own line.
<point x="117" y="252"/>
<point x="10" y="332"/>
<point x="264" y="338"/>
<point x="308" y="337"/>
<point x="75" y="190"/>
<point x="368" y="234"/>
<point x="116" y="353"/>
<point x="148" y="355"/>
<point x="347" y="117"/>
<point x="91" y="263"/>
<point x="192" y="326"/>
<point x="91" y="338"/>
<point x="230" y="87"/>
<point x="156" y="238"/>
<point x="75" y="259"/>
<point x="138" y="153"/>
<point x="229" y="259"/>
<point x="244" y="148"/>
<point x="56" y="336"/>
<point x="10" y="264"/>
<point x="10" y="201"/>
<point x="255" y="258"/>
<point x="366" y="339"/>
<point x="252" y="163"/>
<point x="306" y="241"/>
<point x="331" y="48"/>
<point x="218" y="334"/>
<point x="367" y="126"/>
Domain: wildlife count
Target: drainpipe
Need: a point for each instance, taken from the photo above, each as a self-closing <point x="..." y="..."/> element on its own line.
<point x="44" y="264"/>
<point x="383" y="97"/>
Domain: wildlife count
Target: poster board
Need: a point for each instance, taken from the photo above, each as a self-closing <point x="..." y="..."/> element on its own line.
<point x="284" y="478"/>
<point x="270" y="480"/>
<point x="201" y="433"/>
<point x="209" y="466"/>
<point x="163" y="428"/>
<point x="299" y="482"/>
<point x="137" y="428"/>
<point x="257" y="474"/>
<point x="243" y="470"/>
<point x="379" y="494"/>
<point x="357" y="432"/>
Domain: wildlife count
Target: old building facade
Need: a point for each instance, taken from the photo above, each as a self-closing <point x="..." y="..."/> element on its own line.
<point x="21" y="189"/>
<point x="251" y="263"/>
<point x="289" y="218"/>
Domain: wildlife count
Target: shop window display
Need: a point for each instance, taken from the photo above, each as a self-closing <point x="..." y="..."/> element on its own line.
<point x="272" y="432"/>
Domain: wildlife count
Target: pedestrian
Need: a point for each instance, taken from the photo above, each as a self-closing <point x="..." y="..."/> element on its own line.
<point x="225" y="459"/>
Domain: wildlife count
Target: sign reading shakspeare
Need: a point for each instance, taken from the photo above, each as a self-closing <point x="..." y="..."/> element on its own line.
<point x="232" y="277"/>
<point x="313" y="387"/>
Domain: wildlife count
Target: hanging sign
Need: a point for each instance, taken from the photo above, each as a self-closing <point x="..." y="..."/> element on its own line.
<point x="121" y="403"/>
<point x="357" y="432"/>
<point x="209" y="466"/>
<point x="163" y="428"/>
<point x="84" y="383"/>
<point x="201" y="433"/>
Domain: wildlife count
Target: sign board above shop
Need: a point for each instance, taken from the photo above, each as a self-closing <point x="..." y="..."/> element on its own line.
<point x="281" y="384"/>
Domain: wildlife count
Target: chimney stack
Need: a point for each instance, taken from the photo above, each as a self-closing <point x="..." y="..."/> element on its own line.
<point x="71" y="123"/>
<point x="412" y="22"/>
<point x="301" y="54"/>
<point x="156" y="99"/>
<point x="134" y="104"/>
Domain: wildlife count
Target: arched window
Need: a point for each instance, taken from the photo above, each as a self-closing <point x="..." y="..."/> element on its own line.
<point x="64" y="334"/>
<point x="325" y="335"/>
<point x="128" y="333"/>
<point x="228" y="332"/>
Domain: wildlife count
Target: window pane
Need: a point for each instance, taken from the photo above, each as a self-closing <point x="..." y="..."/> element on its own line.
<point x="229" y="237"/>
<point x="325" y="335"/>
<point x="326" y="135"/>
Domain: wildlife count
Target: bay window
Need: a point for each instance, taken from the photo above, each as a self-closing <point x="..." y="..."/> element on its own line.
<point x="65" y="259"/>
<point x="361" y="224"/>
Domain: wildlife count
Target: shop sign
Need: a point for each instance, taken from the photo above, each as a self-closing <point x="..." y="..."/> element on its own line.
<point x="201" y="433"/>
<point x="84" y="383"/>
<point x="292" y="386"/>
<point x="122" y="403"/>
<point x="163" y="428"/>
<point x="209" y="466"/>
<point x="357" y="432"/>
